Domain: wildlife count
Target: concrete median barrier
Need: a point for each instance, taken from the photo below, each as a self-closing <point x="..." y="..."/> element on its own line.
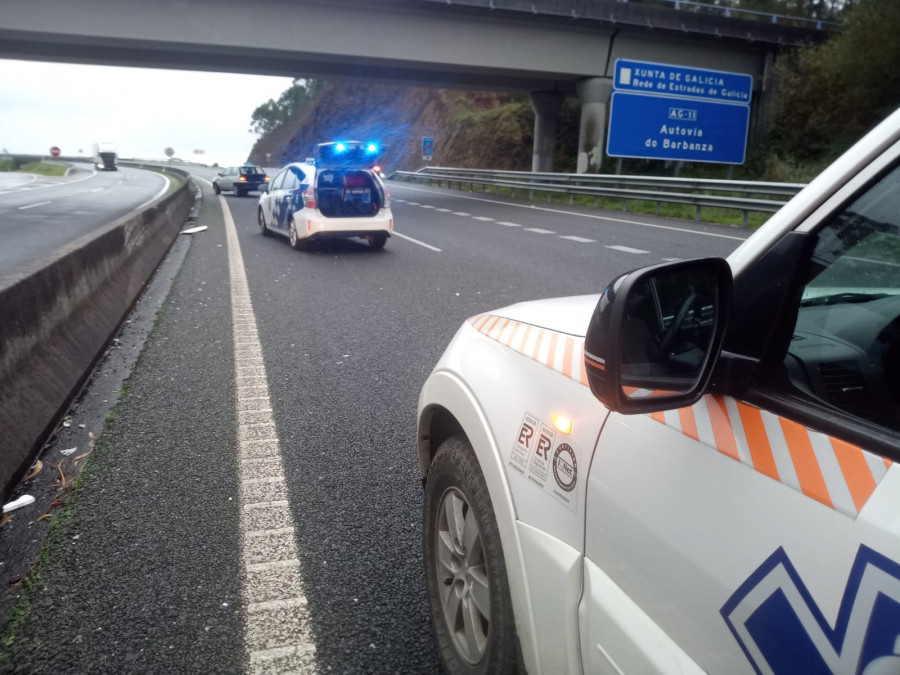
<point x="57" y="317"/>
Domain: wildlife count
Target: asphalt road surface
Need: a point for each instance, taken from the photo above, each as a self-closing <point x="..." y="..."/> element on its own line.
<point x="148" y="569"/>
<point x="39" y="214"/>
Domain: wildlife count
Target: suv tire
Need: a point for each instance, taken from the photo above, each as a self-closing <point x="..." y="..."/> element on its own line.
<point x="465" y="568"/>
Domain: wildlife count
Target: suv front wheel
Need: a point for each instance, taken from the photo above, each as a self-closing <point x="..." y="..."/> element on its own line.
<point x="471" y="610"/>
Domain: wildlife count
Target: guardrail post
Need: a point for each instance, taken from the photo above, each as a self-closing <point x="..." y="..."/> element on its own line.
<point x="699" y="209"/>
<point x="624" y="206"/>
<point x="571" y="198"/>
<point x="531" y="195"/>
<point x="746" y="222"/>
<point x="659" y="208"/>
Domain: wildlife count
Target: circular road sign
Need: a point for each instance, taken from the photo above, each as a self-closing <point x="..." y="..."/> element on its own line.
<point x="54" y="151"/>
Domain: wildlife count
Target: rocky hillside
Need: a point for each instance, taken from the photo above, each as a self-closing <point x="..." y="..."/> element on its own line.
<point x="471" y="129"/>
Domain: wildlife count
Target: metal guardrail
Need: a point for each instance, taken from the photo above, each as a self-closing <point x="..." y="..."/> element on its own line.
<point x="694" y="191"/>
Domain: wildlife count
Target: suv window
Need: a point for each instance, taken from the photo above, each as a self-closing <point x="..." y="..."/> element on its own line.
<point x="845" y="349"/>
<point x="251" y="170"/>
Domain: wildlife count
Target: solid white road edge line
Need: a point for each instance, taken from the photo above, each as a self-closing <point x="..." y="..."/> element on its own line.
<point x="158" y="194"/>
<point x="574" y="213"/>
<point x="416" y="241"/>
<point x="277" y="631"/>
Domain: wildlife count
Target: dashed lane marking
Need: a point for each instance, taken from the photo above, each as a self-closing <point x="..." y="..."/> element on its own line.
<point x="277" y="631"/>
<point x="627" y="249"/>
<point x="507" y="223"/>
<point x="426" y="206"/>
<point x="460" y="213"/>
<point x="31" y="206"/>
<point x="483" y="218"/>
<point x="534" y="207"/>
<point x="416" y="241"/>
<point x="444" y="210"/>
<point x="580" y="240"/>
<point x="538" y="230"/>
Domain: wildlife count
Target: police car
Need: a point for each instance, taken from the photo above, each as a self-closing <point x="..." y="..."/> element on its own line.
<point x="690" y="472"/>
<point x="337" y="193"/>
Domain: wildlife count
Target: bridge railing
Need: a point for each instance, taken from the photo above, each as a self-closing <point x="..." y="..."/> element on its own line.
<point x="744" y="196"/>
<point x="585" y="9"/>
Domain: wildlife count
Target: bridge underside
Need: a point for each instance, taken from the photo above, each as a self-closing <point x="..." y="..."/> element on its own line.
<point x="413" y="42"/>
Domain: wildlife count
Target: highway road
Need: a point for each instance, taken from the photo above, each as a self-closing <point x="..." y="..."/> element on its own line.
<point x="152" y="568"/>
<point x="39" y="214"/>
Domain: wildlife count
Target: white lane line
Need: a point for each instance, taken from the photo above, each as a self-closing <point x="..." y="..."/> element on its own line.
<point x="444" y="210"/>
<point x="413" y="203"/>
<point x="483" y="218"/>
<point x="426" y="206"/>
<point x="397" y="199"/>
<point x="576" y="213"/>
<point x="277" y="632"/>
<point x="671" y="259"/>
<point x="97" y="189"/>
<point x="627" y="249"/>
<point x="31" y="206"/>
<point x="460" y="213"/>
<point x="580" y="240"/>
<point x="159" y="194"/>
<point x="539" y="230"/>
<point x="416" y="241"/>
<point x="507" y="223"/>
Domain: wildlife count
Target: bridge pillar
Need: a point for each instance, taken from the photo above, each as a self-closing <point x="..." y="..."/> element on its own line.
<point x="594" y="93"/>
<point x="546" y="105"/>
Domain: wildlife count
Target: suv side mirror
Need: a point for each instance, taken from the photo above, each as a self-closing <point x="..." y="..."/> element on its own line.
<point x="656" y="334"/>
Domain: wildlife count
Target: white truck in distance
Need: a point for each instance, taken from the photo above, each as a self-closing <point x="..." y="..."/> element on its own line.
<point x="105" y="157"/>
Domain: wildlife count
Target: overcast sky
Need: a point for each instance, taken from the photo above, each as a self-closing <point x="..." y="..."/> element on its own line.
<point x="142" y="111"/>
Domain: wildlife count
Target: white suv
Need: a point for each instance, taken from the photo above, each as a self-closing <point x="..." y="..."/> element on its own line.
<point x="690" y="472"/>
<point x="336" y="194"/>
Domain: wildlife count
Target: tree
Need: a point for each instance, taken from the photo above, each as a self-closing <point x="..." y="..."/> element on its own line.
<point x="831" y="94"/>
<point x="272" y="114"/>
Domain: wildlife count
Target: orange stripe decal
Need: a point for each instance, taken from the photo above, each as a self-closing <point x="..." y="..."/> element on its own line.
<point x="551" y="353"/>
<point x="481" y="320"/>
<point x="887" y="462"/>
<point x="567" y="357"/>
<point x="688" y="423"/>
<point x="502" y="328"/>
<point x="512" y="334"/>
<point x="583" y="372"/>
<point x="812" y="483"/>
<point x="760" y="450"/>
<point x="721" y="426"/>
<point x="525" y="340"/>
<point x="537" y="344"/>
<point x="490" y="326"/>
<point x="659" y="416"/>
<point x="856" y="471"/>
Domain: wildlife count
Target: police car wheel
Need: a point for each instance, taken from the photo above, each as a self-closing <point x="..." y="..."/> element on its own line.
<point x="216" y="188"/>
<point x="296" y="242"/>
<point x="471" y="610"/>
<point x="377" y="241"/>
<point x="261" y="219"/>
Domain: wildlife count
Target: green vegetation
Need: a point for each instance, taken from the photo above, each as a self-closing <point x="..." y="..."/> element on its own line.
<point x="272" y="114"/>
<point x="43" y="169"/>
<point x="7" y="164"/>
<point x="175" y="181"/>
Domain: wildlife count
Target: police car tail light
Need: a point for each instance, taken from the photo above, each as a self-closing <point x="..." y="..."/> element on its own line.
<point x="309" y="198"/>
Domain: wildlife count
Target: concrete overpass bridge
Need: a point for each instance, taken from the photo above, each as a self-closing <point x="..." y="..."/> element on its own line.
<point x="547" y="48"/>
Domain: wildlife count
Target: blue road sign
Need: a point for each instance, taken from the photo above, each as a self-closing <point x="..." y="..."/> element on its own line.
<point x="427" y="147"/>
<point x="667" y="80"/>
<point x="661" y="111"/>
<point x="658" y="127"/>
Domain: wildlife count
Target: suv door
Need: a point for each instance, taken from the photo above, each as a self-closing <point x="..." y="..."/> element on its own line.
<point x="759" y="533"/>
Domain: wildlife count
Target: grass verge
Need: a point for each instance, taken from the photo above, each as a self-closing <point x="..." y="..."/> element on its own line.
<point x="43" y="169"/>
